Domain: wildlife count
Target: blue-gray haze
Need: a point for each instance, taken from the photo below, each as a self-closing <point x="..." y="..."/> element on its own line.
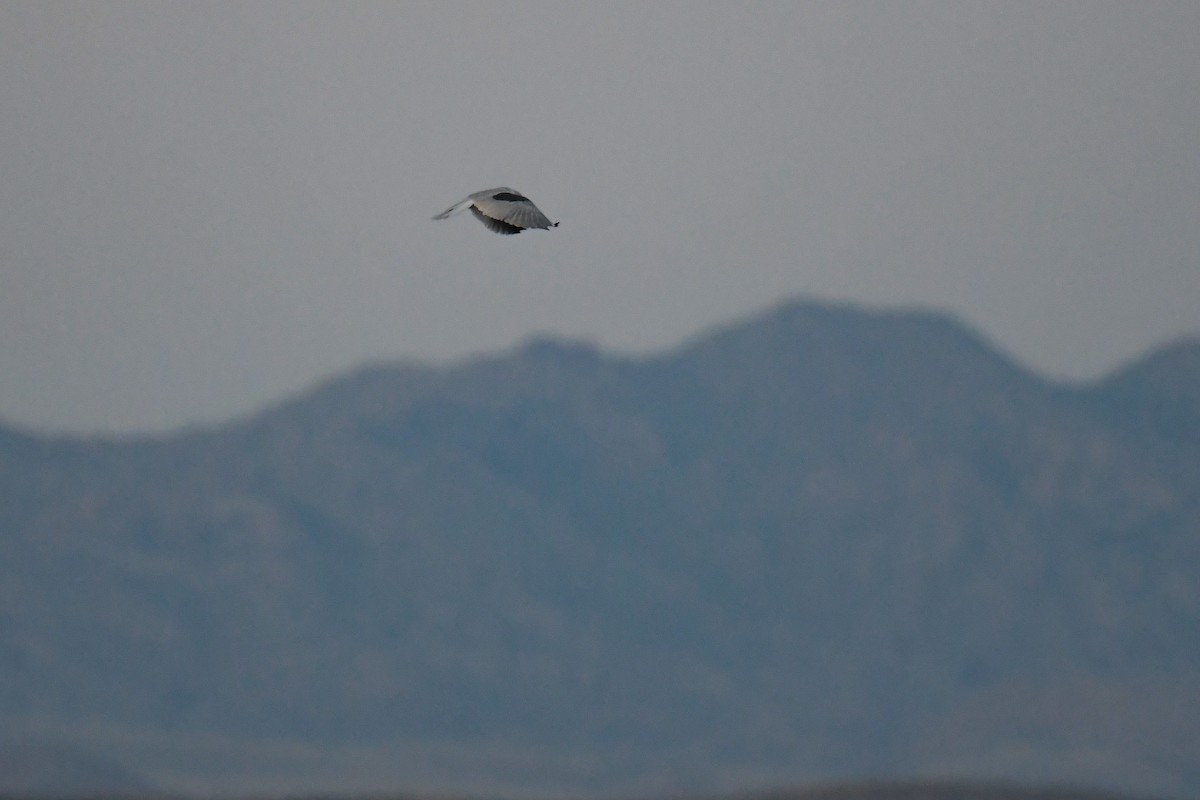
<point x="206" y="206"/>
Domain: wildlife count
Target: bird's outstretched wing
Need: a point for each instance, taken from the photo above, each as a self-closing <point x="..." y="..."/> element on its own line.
<point x="493" y="224"/>
<point x="454" y="209"/>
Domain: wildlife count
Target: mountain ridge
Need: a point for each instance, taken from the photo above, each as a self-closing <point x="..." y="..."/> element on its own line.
<point x="819" y="543"/>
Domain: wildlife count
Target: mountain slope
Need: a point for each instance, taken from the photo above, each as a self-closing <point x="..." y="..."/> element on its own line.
<point x="823" y="542"/>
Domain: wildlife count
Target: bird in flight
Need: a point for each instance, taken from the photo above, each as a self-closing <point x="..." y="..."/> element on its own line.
<point x="502" y="210"/>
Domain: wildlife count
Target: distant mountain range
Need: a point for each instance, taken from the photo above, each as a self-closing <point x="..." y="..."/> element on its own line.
<point x="820" y="544"/>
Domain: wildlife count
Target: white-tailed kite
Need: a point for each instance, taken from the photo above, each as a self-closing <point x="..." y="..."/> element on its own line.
<point x="503" y="211"/>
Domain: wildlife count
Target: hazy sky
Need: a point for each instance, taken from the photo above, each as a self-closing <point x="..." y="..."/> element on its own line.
<point x="205" y="207"/>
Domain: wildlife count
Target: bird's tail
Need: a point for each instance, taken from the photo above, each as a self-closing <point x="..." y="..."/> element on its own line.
<point x="454" y="209"/>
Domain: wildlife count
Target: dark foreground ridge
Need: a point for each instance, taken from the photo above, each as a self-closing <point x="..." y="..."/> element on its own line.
<point x="866" y="790"/>
<point x="929" y="790"/>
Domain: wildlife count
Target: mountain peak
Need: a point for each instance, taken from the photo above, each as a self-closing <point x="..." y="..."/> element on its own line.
<point x="1158" y="394"/>
<point x="548" y="348"/>
<point x="1169" y="371"/>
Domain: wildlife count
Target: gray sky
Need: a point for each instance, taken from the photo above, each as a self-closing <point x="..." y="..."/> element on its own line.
<point x="205" y="207"/>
